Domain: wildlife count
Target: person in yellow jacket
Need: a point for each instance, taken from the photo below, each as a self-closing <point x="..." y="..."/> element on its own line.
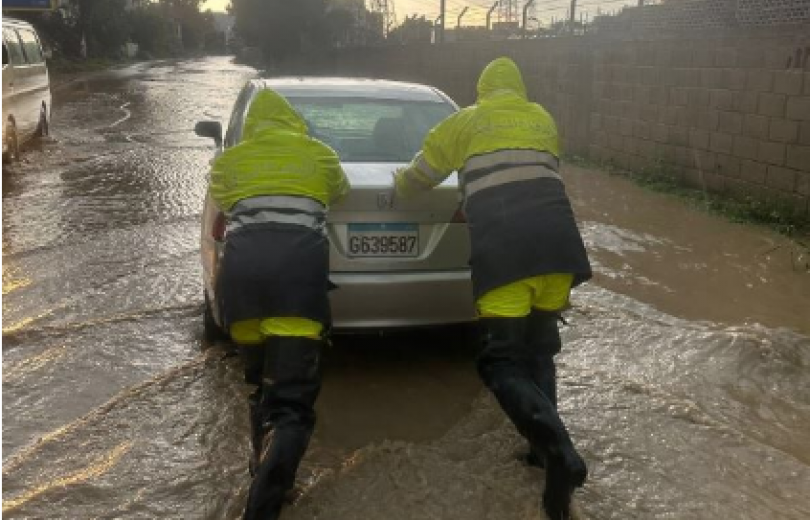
<point x="526" y="255"/>
<point x="275" y="188"/>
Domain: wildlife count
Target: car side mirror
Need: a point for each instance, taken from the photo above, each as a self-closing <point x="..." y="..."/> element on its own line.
<point x="212" y="129"/>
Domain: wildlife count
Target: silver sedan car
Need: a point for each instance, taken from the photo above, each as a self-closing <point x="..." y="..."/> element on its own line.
<point x="397" y="263"/>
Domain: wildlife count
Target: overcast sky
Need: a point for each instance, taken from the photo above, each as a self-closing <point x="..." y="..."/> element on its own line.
<point x="476" y="14"/>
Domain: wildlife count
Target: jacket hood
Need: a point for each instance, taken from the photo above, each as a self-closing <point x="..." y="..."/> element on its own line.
<point x="501" y="74"/>
<point x="269" y="110"/>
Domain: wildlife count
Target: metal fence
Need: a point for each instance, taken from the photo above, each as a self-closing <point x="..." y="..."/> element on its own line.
<point x="706" y="14"/>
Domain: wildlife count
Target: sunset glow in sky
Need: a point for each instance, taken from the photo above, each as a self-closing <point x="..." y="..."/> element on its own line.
<point x="477" y="11"/>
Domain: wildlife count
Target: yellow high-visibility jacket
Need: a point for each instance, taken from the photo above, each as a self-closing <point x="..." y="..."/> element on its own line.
<point x="502" y="119"/>
<point x="276" y="157"/>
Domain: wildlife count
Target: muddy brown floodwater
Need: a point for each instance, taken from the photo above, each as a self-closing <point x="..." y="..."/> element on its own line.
<point x="684" y="378"/>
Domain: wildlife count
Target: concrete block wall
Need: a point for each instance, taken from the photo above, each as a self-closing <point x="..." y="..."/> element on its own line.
<point x="724" y="111"/>
<point x="728" y="114"/>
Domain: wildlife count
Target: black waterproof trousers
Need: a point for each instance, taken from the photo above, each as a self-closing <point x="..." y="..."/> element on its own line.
<point x="516" y="364"/>
<point x="282" y="418"/>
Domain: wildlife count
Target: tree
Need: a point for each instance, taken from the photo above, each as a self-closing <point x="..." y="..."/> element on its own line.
<point x="413" y="30"/>
<point x="281" y="28"/>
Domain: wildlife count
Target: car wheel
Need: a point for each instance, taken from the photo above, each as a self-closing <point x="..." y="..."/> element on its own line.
<point x="12" y="142"/>
<point x="43" y="129"/>
<point x="212" y="331"/>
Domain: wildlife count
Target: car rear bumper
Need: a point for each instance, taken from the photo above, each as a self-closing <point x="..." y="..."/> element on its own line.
<point x="401" y="300"/>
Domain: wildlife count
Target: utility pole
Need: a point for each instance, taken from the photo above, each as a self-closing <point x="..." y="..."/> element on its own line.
<point x="489" y="13"/>
<point x="442" y="12"/>
<point x="573" y="15"/>
<point x="526" y="16"/>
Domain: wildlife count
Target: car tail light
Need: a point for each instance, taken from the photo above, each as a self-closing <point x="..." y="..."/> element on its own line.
<point x="218" y="229"/>
<point x="459" y="217"/>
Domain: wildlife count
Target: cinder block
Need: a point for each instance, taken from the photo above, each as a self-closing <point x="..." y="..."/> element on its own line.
<point x="748" y="102"/>
<point x="692" y="178"/>
<point x="722" y="100"/>
<point x="798" y="157"/>
<point x="689" y="77"/>
<point x="798" y="108"/>
<point x="665" y="152"/>
<point x="807" y="83"/>
<point x="778" y="57"/>
<point x="705" y="161"/>
<point x="757" y="126"/>
<point x="708" y="120"/>
<point x="772" y="104"/>
<point x="730" y="122"/>
<point x="699" y="139"/>
<point x="649" y="113"/>
<point x="626" y="127"/>
<point x="783" y="179"/>
<point x="698" y="97"/>
<point x="646" y="148"/>
<point x="681" y="57"/>
<point x="751" y="57"/>
<point x="641" y="94"/>
<point x="759" y="80"/>
<point x="641" y="129"/>
<point x="715" y="183"/>
<point x="678" y="96"/>
<point x="702" y="58"/>
<point x="803" y="183"/>
<point x="752" y="171"/>
<point x="684" y="157"/>
<point x="668" y="115"/>
<point x="725" y="57"/>
<point x="788" y="82"/>
<point x="804" y="132"/>
<point x="658" y="95"/>
<point x="734" y="79"/>
<point x="784" y="131"/>
<point x="660" y="133"/>
<point x="721" y="143"/>
<point x="746" y="147"/>
<point x="711" y="78"/>
<point x="772" y="153"/>
<point x="679" y="136"/>
<point x="727" y="165"/>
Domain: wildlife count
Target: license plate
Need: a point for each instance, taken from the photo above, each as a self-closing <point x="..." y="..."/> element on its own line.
<point x="383" y="240"/>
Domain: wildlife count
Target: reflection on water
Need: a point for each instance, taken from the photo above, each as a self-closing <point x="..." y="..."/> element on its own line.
<point x="684" y="377"/>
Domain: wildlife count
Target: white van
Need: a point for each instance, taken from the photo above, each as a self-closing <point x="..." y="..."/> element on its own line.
<point x="26" y="87"/>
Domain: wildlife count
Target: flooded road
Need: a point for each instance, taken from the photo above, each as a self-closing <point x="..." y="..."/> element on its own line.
<point x="685" y="375"/>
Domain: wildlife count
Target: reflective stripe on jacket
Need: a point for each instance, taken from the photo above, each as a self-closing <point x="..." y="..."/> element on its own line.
<point x="280" y="209"/>
<point x="502" y="120"/>
<point x="276" y="157"/>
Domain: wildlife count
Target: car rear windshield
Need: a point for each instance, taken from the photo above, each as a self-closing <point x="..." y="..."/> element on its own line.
<point x="371" y="130"/>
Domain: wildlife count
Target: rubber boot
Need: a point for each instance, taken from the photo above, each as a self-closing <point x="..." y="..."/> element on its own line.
<point x="543" y="339"/>
<point x="290" y="386"/>
<point x="505" y="367"/>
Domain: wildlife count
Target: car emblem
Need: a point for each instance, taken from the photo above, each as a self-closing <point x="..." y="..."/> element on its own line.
<point x="385" y="201"/>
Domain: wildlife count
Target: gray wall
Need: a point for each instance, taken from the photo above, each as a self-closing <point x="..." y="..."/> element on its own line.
<point x="727" y="110"/>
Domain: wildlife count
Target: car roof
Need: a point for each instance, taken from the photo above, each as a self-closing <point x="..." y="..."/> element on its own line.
<point x="350" y="88"/>
<point x="16" y="22"/>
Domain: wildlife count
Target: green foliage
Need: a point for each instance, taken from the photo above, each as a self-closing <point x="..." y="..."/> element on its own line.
<point x="773" y="212"/>
<point x="106" y="26"/>
<point x="413" y="30"/>
<point x="281" y="28"/>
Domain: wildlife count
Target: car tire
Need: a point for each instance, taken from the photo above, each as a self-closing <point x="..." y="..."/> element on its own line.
<point x="43" y="127"/>
<point x="12" y="142"/>
<point x="211" y="330"/>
